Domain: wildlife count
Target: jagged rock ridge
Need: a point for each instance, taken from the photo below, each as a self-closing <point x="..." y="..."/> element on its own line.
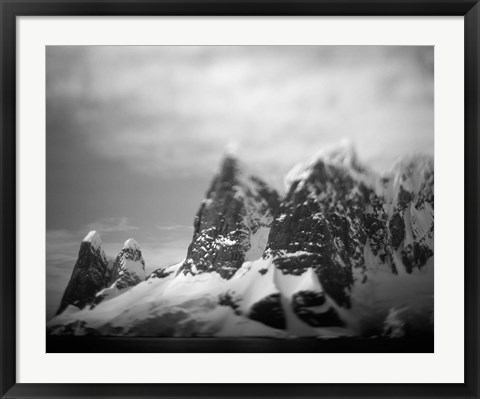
<point x="128" y="270"/>
<point x="95" y="278"/>
<point x="233" y="222"/>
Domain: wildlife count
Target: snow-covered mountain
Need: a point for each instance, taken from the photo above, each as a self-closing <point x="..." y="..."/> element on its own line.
<point x="345" y="252"/>
<point x="128" y="270"/>
<point x="88" y="276"/>
<point x="368" y="238"/>
<point x="233" y="222"/>
<point x="95" y="278"/>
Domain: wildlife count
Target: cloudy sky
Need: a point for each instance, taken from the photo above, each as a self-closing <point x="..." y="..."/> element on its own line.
<point x="134" y="134"/>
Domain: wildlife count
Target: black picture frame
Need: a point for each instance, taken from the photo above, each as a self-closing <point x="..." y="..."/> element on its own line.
<point x="470" y="10"/>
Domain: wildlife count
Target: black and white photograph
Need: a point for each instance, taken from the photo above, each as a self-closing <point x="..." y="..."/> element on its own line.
<point x="247" y="193"/>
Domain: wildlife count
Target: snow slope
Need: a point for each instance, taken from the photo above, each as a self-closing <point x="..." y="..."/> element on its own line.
<point x="198" y="305"/>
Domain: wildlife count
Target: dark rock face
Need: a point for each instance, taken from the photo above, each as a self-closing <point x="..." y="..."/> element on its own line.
<point x="236" y="207"/>
<point x="160" y="273"/>
<point x="375" y="227"/>
<point x="108" y="273"/>
<point x="304" y="303"/>
<point x="415" y="256"/>
<point x="231" y="300"/>
<point x="397" y="229"/>
<point x="269" y="311"/>
<point x="334" y="210"/>
<point x="88" y="277"/>
<point x="322" y="219"/>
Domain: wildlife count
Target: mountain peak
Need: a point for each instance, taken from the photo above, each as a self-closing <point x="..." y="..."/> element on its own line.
<point x="131" y="243"/>
<point x="94" y="239"/>
<point x="88" y="273"/>
<point x="230" y="166"/>
<point x="231" y="149"/>
<point x="233" y="221"/>
<point x="342" y="154"/>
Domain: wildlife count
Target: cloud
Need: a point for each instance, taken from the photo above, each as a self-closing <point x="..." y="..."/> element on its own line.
<point x="174" y="227"/>
<point x="171" y="111"/>
<point x="108" y="225"/>
<point x="59" y="244"/>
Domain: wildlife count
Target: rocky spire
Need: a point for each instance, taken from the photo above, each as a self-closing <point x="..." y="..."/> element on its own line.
<point x="233" y="221"/>
<point x="128" y="270"/>
<point x="88" y="276"/>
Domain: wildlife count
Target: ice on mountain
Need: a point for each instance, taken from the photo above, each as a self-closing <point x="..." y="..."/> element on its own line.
<point x="258" y="243"/>
<point x="94" y="239"/>
<point x="132" y="244"/>
<point x="342" y="154"/>
<point x="225" y="241"/>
